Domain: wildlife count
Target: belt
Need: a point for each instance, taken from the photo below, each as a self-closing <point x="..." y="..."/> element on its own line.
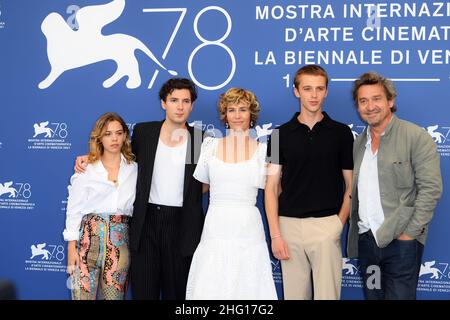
<point x="117" y="218"/>
<point x="160" y="207"/>
<point x="367" y="233"/>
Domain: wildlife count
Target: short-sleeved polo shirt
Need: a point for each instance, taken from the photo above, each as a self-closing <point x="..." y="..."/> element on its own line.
<point x="312" y="162"/>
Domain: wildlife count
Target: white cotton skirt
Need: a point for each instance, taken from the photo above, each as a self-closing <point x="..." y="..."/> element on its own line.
<point x="232" y="260"/>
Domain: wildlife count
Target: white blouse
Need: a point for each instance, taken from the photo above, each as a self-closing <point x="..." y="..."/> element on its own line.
<point x="92" y="192"/>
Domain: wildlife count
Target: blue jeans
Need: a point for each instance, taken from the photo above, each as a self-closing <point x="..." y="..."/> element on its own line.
<point x="389" y="273"/>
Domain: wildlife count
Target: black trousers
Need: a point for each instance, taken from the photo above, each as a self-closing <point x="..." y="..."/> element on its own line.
<point x="158" y="270"/>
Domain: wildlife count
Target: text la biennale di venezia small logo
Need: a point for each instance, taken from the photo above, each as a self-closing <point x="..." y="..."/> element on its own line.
<point x="46" y="257"/>
<point x="440" y="135"/>
<point x="434" y="276"/>
<point x="48" y="135"/>
<point x="16" y="195"/>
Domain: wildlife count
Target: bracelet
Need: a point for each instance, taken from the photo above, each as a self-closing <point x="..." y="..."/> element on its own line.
<point x="275" y="236"/>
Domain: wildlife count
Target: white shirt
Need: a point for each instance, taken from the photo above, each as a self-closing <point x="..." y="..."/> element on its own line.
<point x="168" y="175"/>
<point x="371" y="213"/>
<point x="92" y="192"/>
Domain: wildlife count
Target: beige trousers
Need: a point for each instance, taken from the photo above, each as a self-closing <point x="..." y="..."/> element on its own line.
<point x="315" y="258"/>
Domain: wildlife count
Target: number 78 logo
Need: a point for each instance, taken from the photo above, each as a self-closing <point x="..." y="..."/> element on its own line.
<point x="205" y="43"/>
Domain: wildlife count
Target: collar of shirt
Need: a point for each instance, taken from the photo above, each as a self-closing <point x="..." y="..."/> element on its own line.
<point x="369" y="136"/>
<point x="294" y="124"/>
<point x="100" y="169"/>
<point x="386" y="131"/>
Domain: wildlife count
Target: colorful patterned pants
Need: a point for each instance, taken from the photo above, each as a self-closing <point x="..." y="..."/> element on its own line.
<point x="104" y="258"/>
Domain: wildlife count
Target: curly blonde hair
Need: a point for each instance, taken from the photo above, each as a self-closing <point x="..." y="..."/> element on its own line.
<point x="235" y="96"/>
<point x="95" y="145"/>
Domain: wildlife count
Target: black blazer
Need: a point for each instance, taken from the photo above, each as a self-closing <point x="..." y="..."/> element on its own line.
<point x="144" y="144"/>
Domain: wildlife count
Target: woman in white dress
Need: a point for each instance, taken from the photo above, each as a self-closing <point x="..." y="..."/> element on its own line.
<point x="232" y="259"/>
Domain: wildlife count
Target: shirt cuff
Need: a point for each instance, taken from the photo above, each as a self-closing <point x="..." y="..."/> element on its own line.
<point x="70" y="235"/>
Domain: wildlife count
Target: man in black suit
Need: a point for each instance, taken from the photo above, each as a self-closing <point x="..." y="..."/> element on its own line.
<point x="168" y="216"/>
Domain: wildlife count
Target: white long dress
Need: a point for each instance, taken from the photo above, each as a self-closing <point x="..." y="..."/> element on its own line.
<point x="232" y="259"/>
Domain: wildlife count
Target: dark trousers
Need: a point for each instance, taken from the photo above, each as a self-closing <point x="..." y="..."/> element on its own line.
<point x="158" y="270"/>
<point x="389" y="273"/>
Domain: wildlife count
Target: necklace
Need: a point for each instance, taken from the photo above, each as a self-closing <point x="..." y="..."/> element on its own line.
<point x="110" y="169"/>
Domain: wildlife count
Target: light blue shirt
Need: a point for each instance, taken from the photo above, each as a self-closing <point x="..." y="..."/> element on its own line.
<point x="371" y="215"/>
